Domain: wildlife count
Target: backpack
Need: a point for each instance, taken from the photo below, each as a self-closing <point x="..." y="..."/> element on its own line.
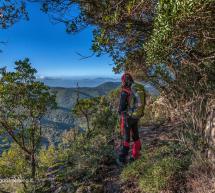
<point x="137" y="101"/>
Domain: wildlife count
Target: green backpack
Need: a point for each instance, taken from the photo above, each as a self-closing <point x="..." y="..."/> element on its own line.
<point x="137" y="100"/>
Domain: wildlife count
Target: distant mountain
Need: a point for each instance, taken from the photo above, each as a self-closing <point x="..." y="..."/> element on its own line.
<point x="66" y="97"/>
<point x="61" y="119"/>
<point x="72" y="82"/>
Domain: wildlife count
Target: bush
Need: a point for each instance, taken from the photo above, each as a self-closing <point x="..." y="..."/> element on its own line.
<point x="157" y="169"/>
<point x="78" y="163"/>
<point x="13" y="162"/>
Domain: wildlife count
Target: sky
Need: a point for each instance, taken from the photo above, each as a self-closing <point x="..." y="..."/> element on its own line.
<point x="51" y="50"/>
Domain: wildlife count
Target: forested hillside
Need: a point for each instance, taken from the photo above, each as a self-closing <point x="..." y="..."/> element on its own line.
<point x="66" y="97"/>
<point x="61" y="119"/>
<point x="166" y="43"/>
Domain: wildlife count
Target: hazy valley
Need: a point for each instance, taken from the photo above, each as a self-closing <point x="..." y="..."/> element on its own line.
<point x="61" y="119"/>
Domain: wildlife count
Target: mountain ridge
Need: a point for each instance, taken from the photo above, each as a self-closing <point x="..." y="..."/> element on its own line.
<point x="61" y="119"/>
<point x="73" y="81"/>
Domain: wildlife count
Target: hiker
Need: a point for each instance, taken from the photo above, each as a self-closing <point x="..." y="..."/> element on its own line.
<point x="131" y="109"/>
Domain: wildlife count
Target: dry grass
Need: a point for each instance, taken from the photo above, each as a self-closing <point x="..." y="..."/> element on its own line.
<point x="201" y="184"/>
<point x="201" y="176"/>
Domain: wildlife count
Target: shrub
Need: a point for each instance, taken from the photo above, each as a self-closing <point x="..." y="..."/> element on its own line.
<point x="157" y="169"/>
<point x="14" y="163"/>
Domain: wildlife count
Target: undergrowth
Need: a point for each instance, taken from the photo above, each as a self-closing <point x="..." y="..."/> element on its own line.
<point x="159" y="168"/>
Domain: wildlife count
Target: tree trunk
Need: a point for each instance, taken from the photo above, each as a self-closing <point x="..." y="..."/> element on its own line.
<point x="88" y="123"/>
<point x="33" y="165"/>
<point x="210" y="134"/>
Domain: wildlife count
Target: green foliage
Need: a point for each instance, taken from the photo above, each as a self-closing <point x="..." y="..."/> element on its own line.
<point x="85" y="108"/>
<point x="162" y="42"/>
<point x="50" y="158"/>
<point x="170" y="43"/>
<point x="20" y="90"/>
<point x="24" y="101"/>
<point x="106" y="117"/>
<point x="156" y="170"/>
<point x="10" y="12"/>
<point x="76" y="160"/>
<point x="93" y="147"/>
<point x="168" y="14"/>
<point x="121" y="26"/>
<point x="79" y="162"/>
<point x="180" y="56"/>
<point x="47" y="157"/>
<point x="13" y="163"/>
<point x="71" y="166"/>
<point x="88" y="153"/>
<point x="113" y="97"/>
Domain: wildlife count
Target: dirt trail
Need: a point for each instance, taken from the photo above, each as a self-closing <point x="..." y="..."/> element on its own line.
<point x="150" y="136"/>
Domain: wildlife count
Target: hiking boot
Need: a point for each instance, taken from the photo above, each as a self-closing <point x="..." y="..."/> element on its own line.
<point x="121" y="161"/>
<point x="122" y="156"/>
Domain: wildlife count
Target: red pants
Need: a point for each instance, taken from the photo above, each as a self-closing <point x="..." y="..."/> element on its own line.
<point x="129" y="126"/>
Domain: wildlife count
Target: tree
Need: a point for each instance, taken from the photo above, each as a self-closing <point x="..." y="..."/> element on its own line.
<point x="23" y="103"/>
<point x="121" y="27"/>
<point x="11" y="11"/>
<point x="13" y="163"/>
<point x="167" y="43"/>
<point x="141" y="35"/>
<point x="181" y="54"/>
<point x="179" y="41"/>
<point x="105" y="118"/>
<point x="83" y="157"/>
<point x="85" y="108"/>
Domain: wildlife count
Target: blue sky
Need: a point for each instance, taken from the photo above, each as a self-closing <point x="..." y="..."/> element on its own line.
<point x="51" y="50"/>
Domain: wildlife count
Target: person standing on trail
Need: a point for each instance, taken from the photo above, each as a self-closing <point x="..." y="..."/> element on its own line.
<point x="131" y="109"/>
